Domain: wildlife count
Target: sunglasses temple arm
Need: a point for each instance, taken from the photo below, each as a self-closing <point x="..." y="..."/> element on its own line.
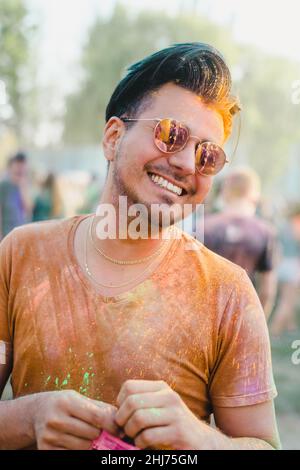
<point x="238" y="138"/>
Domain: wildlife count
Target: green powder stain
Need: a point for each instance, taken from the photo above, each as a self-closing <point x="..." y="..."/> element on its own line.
<point x="65" y="382"/>
<point x="155" y="411"/>
<point x="47" y="379"/>
<point x="86" y="378"/>
<point x="90" y="367"/>
<point x="92" y="374"/>
<point x="56" y="381"/>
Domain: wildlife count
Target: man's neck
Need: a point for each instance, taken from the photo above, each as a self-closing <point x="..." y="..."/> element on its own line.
<point x="123" y="245"/>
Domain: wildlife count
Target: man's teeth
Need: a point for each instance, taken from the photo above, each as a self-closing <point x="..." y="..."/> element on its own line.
<point x="166" y="184"/>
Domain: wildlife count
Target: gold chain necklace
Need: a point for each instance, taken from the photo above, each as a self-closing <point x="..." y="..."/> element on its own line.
<point x="112" y="285"/>
<point x="123" y="262"/>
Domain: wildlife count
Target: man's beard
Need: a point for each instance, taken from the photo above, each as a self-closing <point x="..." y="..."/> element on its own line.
<point x="121" y="188"/>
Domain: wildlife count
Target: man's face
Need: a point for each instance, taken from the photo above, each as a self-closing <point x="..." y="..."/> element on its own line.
<point x="17" y="172"/>
<point x="137" y="157"/>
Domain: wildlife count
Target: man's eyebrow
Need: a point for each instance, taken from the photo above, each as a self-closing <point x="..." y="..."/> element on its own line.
<point x="214" y="140"/>
<point x="201" y="141"/>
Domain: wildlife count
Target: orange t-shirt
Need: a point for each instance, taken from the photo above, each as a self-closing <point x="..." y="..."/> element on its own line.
<point x="195" y="323"/>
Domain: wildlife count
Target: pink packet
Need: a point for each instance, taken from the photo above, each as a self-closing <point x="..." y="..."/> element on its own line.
<point x="107" y="441"/>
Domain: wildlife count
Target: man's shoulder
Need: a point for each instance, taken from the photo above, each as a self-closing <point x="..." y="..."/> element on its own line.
<point x="43" y="227"/>
<point x="44" y="232"/>
<point x="214" y="218"/>
<point x="223" y="219"/>
<point x="209" y="261"/>
<point x="265" y="226"/>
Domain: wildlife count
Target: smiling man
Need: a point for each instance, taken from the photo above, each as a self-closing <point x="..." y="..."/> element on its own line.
<point x="139" y="335"/>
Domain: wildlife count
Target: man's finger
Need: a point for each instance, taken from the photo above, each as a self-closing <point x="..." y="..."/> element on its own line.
<point x="140" y="401"/>
<point x="77" y="428"/>
<point x="97" y="414"/>
<point x="133" y="387"/>
<point x="74" y="443"/>
<point x="155" y="438"/>
<point x="149" y="418"/>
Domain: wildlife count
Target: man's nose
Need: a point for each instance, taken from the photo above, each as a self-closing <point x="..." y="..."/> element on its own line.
<point x="184" y="160"/>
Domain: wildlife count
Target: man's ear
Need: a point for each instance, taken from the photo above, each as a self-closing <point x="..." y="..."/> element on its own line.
<point x="112" y="133"/>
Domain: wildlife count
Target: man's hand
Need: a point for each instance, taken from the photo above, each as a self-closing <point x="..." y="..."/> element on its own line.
<point x="155" y="416"/>
<point x="68" y="420"/>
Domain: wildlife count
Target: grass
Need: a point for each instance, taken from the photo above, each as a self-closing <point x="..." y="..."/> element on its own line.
<point x="287" y="379"/>
<point x="286" y="374"/>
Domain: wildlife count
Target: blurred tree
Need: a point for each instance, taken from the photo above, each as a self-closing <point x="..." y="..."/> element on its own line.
<point x="15" y="36"/>
<point x="113" y="45"/>
<point x="270" y="122"/>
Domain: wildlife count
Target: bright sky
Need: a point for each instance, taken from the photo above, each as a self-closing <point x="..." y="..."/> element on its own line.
<point x="272" y="25"/>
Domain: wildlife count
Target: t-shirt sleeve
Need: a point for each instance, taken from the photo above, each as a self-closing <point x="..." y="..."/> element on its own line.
<point x="269" y="255"/>
<point x="242" y="373"/>
<point x="5" y="271"/>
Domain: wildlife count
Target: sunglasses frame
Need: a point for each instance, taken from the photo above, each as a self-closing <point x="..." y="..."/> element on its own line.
<point x="159" y="120"/>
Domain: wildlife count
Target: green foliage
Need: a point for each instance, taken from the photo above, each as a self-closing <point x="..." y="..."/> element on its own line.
<point x="270" y="122"/>
<point x="270" y="119"/>
<point x="114" y="45"/>
<point x="15" y="35"/>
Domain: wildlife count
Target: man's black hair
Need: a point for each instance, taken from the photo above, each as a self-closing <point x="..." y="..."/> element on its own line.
<point x="195" y="66"/>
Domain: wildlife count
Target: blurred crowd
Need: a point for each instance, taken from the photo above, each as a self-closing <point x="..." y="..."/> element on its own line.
<point x="243" y="227"/>
<point x="237" y="226"/>
<point x="26" y="196"/>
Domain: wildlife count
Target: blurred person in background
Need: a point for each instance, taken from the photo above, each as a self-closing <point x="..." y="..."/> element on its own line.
<point x="15" y="200"/>
<point x="48" y="202"/>
<point x="236" y="233"/>
<point x="284" y="317"/>
<point x="92" y="195"/>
